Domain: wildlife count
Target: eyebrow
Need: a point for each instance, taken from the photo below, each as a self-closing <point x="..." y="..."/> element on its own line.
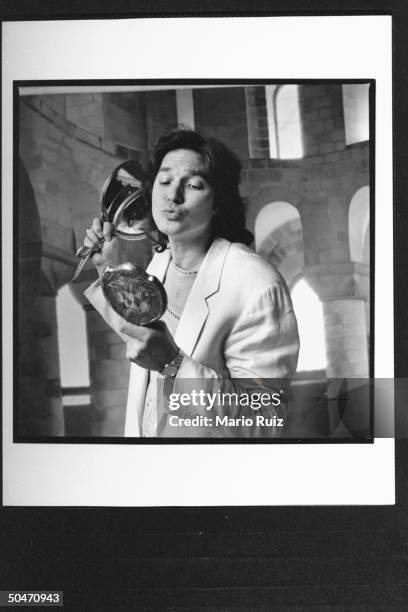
<point x="193" y="173"/>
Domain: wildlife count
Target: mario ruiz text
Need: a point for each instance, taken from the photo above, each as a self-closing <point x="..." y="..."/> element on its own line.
<point x="225" y="421"/>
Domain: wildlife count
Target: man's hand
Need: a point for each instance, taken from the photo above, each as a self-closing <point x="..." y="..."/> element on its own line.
<point x="150" y="347"/>
<point x="112" y="251"/>
<point x="99" y="237"/>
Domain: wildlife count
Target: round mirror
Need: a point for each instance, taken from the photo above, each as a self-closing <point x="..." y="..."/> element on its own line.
<point x="124" y="202"/>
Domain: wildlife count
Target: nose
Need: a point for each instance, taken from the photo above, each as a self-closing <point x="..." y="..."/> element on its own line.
<point x="175" y="193"/>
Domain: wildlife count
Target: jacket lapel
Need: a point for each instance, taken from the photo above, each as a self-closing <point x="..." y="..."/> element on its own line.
<point x="139" y="377"/>
<point x="159" y="264"/>
<point x="206" y="284"/>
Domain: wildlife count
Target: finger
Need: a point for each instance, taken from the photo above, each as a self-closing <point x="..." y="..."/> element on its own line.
<point x="89" y="244"/>
<point x="135" y="351"/>
<point x="134" y="331"/>
<point x="158" y="326"/>
<point x="93" y="238"/>
<point x="107" y="231"/>
<point x="97" y="227"/>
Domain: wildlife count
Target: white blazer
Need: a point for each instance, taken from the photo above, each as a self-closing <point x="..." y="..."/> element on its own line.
<point x="238" y="323"/>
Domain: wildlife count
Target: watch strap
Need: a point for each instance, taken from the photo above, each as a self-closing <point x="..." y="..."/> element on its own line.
<point x="170" y="369"/>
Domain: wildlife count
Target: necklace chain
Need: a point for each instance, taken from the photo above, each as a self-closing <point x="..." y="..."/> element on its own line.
<point x="186" y="272"/>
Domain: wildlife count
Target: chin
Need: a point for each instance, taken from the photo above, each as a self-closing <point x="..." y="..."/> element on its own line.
<point x="169" y="229"/>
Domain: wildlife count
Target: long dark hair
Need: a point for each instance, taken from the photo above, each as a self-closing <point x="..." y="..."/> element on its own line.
<point x="222" y="170"/>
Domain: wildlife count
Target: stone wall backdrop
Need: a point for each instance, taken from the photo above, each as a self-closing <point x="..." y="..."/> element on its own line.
<point x="305" y="157"/>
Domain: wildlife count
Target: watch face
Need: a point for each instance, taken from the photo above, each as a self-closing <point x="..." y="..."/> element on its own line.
<point x="136" y="296"/>
<point x="170" y="370"/>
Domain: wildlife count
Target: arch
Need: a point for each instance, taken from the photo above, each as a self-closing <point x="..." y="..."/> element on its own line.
<point x="356" y="112"/>
<point x="366" y="246"/>
<point x="358" y="224"/>
<point x="270" y="193"/>
<point x="288" y="122"/>
<point x="272" y="216"/>
<point x="38" y="406"/>
<point x="29" y="232"/>
<point x="278" y="238"/>
<point x="270" y="97"/>
<point x="72" y="343"/>
<point x="29" y="218"/>
<point x="284" y="121"/>
<point x="185" y="108"/>
<point x="309" y="313"/>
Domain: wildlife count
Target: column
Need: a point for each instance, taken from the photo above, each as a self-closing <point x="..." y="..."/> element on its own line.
<point x="39" y="406"/>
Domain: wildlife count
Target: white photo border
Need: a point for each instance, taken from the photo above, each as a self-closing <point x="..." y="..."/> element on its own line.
<point x="201" y="475"/>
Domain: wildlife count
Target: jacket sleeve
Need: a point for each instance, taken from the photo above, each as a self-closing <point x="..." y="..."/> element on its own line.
<point x="95" y="296"/>
<point x="260" y="353"/>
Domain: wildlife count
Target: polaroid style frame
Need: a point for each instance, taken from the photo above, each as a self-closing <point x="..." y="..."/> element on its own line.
<point x="348" y="477"/>
<point x="21" y="89"/>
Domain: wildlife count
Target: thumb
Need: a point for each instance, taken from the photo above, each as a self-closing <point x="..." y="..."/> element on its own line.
<point x="158" y="326"/>
<point x="129" y="329"/>
<point x="107" y="231"/>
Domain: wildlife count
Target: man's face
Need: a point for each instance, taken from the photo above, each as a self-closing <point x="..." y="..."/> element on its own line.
<point x="182" y="199"/>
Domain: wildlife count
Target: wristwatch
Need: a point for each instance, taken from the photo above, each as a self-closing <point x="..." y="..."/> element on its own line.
<point x="170" y="369"/>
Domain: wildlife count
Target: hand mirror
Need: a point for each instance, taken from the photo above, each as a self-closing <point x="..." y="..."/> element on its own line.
<point x="124" y="202"/>
<point x="136" y="296"/>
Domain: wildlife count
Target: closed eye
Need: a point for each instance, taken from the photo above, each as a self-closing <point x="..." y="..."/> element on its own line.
<point x="164" y="178"/>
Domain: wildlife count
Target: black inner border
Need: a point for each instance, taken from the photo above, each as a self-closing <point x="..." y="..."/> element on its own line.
<point x="172" y="83"/>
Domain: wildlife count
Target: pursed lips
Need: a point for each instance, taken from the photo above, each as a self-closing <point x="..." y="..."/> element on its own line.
<point x="172" y="211"/>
